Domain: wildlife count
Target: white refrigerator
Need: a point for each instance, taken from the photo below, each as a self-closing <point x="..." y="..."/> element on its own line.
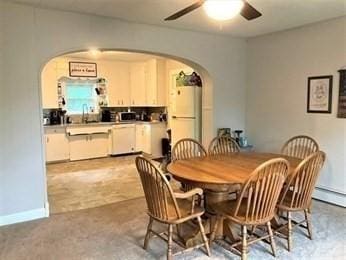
<point x="186" y="113"/>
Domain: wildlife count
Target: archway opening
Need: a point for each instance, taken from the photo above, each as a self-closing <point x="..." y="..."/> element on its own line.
<point x="102" y="106"/>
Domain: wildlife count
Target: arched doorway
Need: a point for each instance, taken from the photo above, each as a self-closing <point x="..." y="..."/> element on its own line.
<point x="60" y="67"/>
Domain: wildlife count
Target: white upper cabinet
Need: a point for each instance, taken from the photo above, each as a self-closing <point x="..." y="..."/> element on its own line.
<point x="137" y="84"/>
<point x="151" y="82"/>
<point x="62" y="68"/>
<point x="128" y="83"/>
<point x="121" y="72"/>
<point x="49" y="86"/>
<point x="155" y="83"/>
<point x="162" y="90"/>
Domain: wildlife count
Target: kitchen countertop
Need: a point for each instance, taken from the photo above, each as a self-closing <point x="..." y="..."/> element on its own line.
<point x="102" y="124"/>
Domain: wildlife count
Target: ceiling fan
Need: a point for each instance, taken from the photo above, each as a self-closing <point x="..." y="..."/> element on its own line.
<point x="220" y="9"/>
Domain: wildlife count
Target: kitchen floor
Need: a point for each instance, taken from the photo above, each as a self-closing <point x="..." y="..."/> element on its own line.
<point x="92" y="183"/>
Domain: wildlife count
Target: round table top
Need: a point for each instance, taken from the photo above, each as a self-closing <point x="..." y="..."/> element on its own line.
<point x="223" y="169"/>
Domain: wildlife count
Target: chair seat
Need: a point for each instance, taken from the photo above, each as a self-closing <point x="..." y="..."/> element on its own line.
<point x="185" y="210"/>
<point x="286" y="203"/>
<point x="227" y="207"/>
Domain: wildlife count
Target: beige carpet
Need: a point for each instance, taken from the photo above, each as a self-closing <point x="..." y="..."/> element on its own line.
<point x="116" y="231"/>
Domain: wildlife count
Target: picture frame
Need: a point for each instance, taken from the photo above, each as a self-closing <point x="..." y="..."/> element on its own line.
<point x="82" y="69"/>
<point x="320" y="91"/>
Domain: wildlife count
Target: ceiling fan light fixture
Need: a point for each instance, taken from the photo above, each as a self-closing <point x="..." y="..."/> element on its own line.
<point x="223" y="9"/>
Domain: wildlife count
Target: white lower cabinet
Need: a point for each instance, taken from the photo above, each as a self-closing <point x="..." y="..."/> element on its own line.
<point x="87" y="146"/>
<point x="148" y="138"/>
<point x="56" y="144"/>
<point x="143" y="138"/>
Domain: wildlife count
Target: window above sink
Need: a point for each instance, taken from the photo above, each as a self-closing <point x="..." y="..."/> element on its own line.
<point x="79" y="96"/>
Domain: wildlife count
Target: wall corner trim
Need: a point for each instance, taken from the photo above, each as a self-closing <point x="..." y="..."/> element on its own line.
<point x="23" y="216"/>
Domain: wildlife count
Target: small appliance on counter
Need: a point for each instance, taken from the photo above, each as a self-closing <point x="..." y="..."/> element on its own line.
<point x="46" y="121"/>
<point x="55" y="117"/>
<point x="127" y="116"/>
<point x="106" y="116"/>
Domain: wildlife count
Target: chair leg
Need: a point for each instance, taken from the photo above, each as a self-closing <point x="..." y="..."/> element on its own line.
<point x="204" y="237"/>
<point x="213" y="232"/>
<point x="308" y="222"/>
<point x="147" y="235"/>
<point x="289" y="236"/>
<point x="170" y="240"/>
<point x="244" y="243"/>
<point x="271" y="237"/>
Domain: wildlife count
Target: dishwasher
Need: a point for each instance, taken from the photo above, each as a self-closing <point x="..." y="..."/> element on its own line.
<point x="123" y="139"/>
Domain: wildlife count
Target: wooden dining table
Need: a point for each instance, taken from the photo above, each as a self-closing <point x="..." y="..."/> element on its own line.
<point x="217" y="175"/>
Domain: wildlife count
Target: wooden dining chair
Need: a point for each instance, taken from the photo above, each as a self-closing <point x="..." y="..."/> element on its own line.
<point x="223" y="145"/>
<point x="300" y="146"/>
<point x="255" y="205"/>
<point x="187" y="148"/>
<point x="297" y="194"/>
<point x="168" y="207"/>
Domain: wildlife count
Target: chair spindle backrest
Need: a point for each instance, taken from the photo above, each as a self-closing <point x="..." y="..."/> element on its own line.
<point x="300" y="146"/>
<point x="187" y="148"/>
<point x="223" y="145"/>
<point x="262" y="190"/>
<point x="158" y="192"/>
<point x="302" y="183"/>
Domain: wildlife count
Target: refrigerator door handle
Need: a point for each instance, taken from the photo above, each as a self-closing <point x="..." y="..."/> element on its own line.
<point x="183" y="117"/>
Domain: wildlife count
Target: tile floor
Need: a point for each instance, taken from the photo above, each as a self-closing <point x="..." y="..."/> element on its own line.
<point x="92" y="183"/>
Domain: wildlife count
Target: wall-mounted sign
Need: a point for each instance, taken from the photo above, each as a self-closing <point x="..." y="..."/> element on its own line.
<point x="320" y="94"/>
<point x="82" y="69"/>
<point x="342" y="94"/>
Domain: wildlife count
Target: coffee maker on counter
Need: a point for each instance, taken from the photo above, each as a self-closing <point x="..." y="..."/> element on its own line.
<point x="57" y="117"/>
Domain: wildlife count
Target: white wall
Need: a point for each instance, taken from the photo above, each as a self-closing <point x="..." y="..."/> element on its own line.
<point x="34" y="36"/>
<point x="278" y="67"/>
<point x="2" y="111"/>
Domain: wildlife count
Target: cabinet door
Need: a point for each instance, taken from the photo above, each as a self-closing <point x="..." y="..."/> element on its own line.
<point x="79" y="147"/>
<point x="98" y="145"/>
<point x="151" y="82"/>
<point x="162" y="89"/>
<point x="147" y="139"/>
<point x="158" y="131"/>
<point x="137" y="84"/>
<point x="122" y="86"/>
<point x="49" y="86"/>
<point x="57" y="147"/>
<point x="117" y="75"/>
<point x="139" y="138"/>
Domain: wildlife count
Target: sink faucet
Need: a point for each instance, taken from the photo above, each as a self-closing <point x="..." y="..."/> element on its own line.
<point x="85" y="115"/>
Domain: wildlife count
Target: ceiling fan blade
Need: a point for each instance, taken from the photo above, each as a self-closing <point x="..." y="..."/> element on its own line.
<point x="249" y="12"/>
<point x="184" y="11"/>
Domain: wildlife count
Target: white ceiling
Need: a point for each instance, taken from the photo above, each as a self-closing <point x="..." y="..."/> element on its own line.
<point x="112" y="56"/>
<point x="277" y="14"/>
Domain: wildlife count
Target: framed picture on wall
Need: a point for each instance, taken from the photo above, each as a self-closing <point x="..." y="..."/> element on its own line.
<point x="82" y="69"/>
<point x="320" y="90"/>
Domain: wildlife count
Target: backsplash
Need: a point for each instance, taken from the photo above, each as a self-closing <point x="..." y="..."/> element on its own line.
<point x="76" y="119"/>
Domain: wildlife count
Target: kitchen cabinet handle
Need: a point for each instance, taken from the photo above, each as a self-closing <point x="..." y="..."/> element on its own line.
<point x="47" y="139"/>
